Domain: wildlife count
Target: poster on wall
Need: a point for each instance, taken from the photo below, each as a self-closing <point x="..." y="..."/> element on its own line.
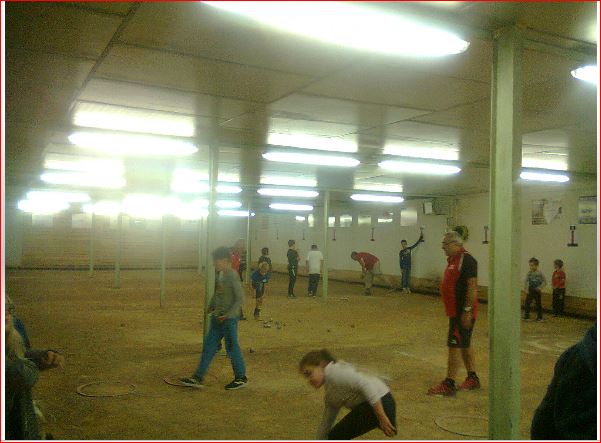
<point x="545" y="211"/>
<point x="587" y="210"/>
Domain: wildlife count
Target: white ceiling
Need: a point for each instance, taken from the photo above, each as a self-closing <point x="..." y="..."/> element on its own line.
<point x="239" y="81"/>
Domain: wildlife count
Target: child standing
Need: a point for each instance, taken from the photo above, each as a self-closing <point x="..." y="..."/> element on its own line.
<point x="314" y="260"/>
<point x="259" y="279"/>
<point x="292" y="267"/>
<point x="265" y="258"/>
<point x="224" y="308"/>
<point x="558" y="281"/>
<point x="405" y="263"/>
<point x="369" y="399"/>
<point x="533" y="285"/>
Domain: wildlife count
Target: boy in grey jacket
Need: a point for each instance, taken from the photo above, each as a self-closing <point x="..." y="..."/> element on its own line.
<point x="533" y="285"/>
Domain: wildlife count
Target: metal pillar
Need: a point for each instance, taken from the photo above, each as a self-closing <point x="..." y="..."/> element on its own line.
<point x="324" y="275"/>
<point x="504" y="258"/>
<point x="210" y="233"/>
<point x="92" y="233"/>
<point x="117" y="282"/>
<point x="163" y="260"/>
<point x="200" y="231"/>
<point x="248" y="245"/>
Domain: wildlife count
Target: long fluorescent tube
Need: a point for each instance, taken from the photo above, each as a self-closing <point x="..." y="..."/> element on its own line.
<point x="84" y="164"/>
<point x="118" y="118"/>
<point x="311" y="159"/>
<point x="589" y="73"/>
<point x="544" y="176"/>
<point x="227" y="204"/>
<point x="275" y="192"/>
<point x="350" y="25"/>
<point x="46" y="207"/>
<point x="290" y="207"/>
<point x="378" y="187"/>
<point x="131" y="144"/>
<point x="437" y="153"/>
<point x="234" y="213"/>
<point x="288" y="181"/>
<point x="307" y="141"/>
<point x="83" y="179"/>
<point x="377" y="198"/>
<point x="65" y="196"/>
<point x="418" y="167"/>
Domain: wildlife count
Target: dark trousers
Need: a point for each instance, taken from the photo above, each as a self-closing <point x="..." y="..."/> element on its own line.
<point x="313" y="283"/>
<point x="559" y="295"/>
<point x="291" y="279"/>
<point x="406" y="277"/>
<point x="362" y="419"/>
<point x="533" y="294"/>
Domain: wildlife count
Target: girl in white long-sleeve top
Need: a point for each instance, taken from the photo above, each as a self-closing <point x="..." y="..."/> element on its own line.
<point x="368" y="398"/>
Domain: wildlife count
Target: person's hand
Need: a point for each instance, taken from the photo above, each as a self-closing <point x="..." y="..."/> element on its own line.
<point x="386" y="426"/>
<point x="466" y="320"/>
<point x="53" y="359"/>
<point x="221" y="318"/>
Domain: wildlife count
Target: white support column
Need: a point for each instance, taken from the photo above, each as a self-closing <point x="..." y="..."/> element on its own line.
<point x="163" y="260"/>
<point x="117" y="281"/>
<point x="210" y="229"/>
<point x="504" y="289"/>
<point x="92" y="251"/>
<point x="200" y="232"/>
<point x="248" y="245"/>
<point x="324" y="275"/>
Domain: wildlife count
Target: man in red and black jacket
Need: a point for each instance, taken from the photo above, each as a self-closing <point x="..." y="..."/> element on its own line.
<point x="459" y="292"/>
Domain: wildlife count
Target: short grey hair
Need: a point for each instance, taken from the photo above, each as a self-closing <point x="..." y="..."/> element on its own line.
<point x="453" y="236"/>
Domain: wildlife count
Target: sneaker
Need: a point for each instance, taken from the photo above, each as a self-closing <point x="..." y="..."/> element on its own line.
<point x="470" y="383"/>
<point x="236" y="383"/>
<point x="540" y="320"/>
<point x="257" y="314"/>
<point x="408" y="291"/>
<point x="444" y="388"/>
<point x="192" y="382"/>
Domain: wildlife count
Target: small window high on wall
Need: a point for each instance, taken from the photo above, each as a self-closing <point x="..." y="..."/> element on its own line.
<point x="346" y="221"/>
<point x="311" y="220"/>
<point x="408" y="217"/>
<point x="385" y="217"/>
<point x="364" y="220"/>
<point x="331" y="222"/>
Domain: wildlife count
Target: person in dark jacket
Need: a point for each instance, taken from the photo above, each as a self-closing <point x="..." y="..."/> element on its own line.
<point x="569" y="409"/>
<point x="405" y="263"/>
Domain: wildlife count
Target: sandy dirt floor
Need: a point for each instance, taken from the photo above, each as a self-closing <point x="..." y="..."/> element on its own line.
<point x="123" y="335"/>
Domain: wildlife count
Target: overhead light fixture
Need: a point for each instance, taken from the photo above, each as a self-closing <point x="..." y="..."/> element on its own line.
<point x="187" y="181"/>
<point x="228" y="204"/>
<point x="234" y="213"/>
<point x="433" y="152"/>
<point x="103" y="207"/>
<point x="83" y="179"/>
<point x="119" y="118"/>
<point x="42" y="207"/>
<point x="69" y="197"/>
<point x="290" y="207"/>
<point x="307" y="141"/>
<point x="275" y="192"/>
<point x="118" y="144"/>
<point x="300" y="218"/>
<point x="378" y="198"/>
<point x="541" y="176"/>
<point x="311" y="159"/>
<point x="352" y="26"/>
<point x="411" y="167"/>
<point x="589" y="73"/>
<point x="144" y="206"/>
<point x="288" y="181"/>
<point x="98" y="166"/>
<point x="378" y="187"/>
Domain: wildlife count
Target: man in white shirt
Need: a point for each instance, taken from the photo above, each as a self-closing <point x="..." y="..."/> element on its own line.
<point x="314" y="260"/>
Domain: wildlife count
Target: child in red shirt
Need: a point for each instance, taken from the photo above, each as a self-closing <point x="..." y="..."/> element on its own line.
<point x="558" y="280"/>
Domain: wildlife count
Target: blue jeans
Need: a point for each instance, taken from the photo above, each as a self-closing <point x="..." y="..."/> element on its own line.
<point x="228" y="330"/>
<point x="405" y="277"/>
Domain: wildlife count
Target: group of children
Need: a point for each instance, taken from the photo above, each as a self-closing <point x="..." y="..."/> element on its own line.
<point x="534" y="283"/>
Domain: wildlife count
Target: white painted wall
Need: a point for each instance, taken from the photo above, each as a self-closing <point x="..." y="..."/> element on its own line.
<point x="12" y="237"/>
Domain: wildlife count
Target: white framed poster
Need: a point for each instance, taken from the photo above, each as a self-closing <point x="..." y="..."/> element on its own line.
<point x="587" y="210"/>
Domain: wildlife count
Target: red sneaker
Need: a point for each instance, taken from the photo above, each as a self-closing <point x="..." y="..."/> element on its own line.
<point x="444" y="388"/>
<point x="470" y="383"/>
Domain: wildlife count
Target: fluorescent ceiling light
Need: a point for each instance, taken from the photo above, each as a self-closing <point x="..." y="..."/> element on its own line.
<point x="43" y="207"/>
<point x="311" y="159"/>
<point x="145" y="206"/>
<point x="589" y="73"/>
<point x="274" y="192"/>
<point x="544" y="176"/>
<point x="83" y="179"/>
<point x="290" y="207"/>
<point x="227" y="204"/>
<point x="191" y="181"/>
<point x="288" y="181"/>
<point x="418" y="167"/>
<point x="64" y="196"/>
<point x="350" y="25"/>
<point x="306" y="141"/>
<point x="132" y="144"/>
<point x="378" y="187"/>
<point x="102" y="116"/>
<point x="234" y="213"/>
<point x="438" y="153"/>
<point x="300" y="218"/>
<point x="378" y="198"/>
<point x="84" y="164"/>
<point x="104" y="207"/>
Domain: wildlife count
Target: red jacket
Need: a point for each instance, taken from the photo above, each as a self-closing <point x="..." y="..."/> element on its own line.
<point x="453" y="287"/>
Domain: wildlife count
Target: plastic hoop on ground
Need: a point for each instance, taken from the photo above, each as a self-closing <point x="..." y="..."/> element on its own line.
<point x="106" y="389"/>
<point x="467" y="425"/>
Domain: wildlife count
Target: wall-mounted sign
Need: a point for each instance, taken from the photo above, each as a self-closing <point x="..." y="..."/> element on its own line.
<point x="587" y="210"/>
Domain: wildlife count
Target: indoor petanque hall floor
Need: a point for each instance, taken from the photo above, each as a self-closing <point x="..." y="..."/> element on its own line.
<point x="114" y="338"/>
